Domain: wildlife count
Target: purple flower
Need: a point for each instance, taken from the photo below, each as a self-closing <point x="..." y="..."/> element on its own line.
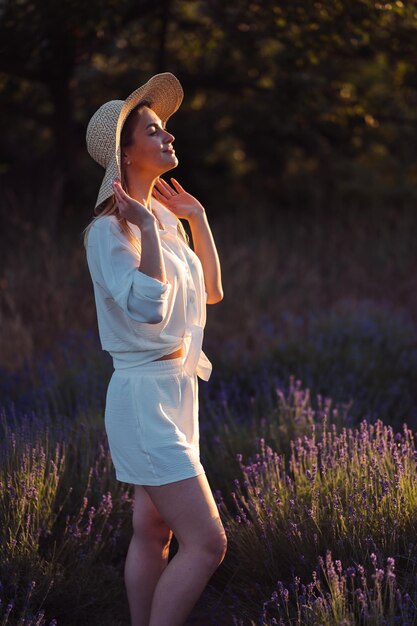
<point x="309" y="475"/>
<point x="378" y="576"/>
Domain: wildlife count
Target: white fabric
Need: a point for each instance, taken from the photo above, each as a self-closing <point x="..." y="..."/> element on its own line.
<point x="152" y="423"/>
<point x="139" y="317"/>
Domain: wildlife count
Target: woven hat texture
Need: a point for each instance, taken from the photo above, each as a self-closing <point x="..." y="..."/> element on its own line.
<point x="165" y="94"/>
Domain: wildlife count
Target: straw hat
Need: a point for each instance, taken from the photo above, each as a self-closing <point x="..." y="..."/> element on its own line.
<point x="165" y="94"/>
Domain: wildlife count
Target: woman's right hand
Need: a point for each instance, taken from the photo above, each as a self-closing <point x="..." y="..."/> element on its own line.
<point x="131" y="209"/>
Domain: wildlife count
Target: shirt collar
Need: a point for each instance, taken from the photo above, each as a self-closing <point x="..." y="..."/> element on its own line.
<point x="167" y="217"/>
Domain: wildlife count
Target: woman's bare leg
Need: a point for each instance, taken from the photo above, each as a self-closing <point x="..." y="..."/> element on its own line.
<point x="189" y="509"/>
<point x="147" y="557"/>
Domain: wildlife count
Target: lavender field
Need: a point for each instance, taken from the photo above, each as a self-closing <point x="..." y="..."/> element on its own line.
<point x="319" y="507"/>
<point x="308" y="434"/>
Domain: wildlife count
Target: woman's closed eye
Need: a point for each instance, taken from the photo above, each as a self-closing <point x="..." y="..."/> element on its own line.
<point x="159" y="128"/>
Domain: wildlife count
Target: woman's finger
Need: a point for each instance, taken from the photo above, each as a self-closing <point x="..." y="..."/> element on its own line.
<point x="162" y="190"/>
<point x="118" y="194"/>
<point x="177" y="185"/>
<point x="117" y="185"/>
<point x="165" y="186"/>
<point x="158" y="195"/>
<point x="122" y="192"/>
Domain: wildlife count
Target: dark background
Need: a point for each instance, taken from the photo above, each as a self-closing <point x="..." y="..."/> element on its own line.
<point x="297" y="132"/>
<point x="302" y="105"/>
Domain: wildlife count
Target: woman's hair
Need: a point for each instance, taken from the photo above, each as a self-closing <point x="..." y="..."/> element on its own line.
<point x="109" y="206"/>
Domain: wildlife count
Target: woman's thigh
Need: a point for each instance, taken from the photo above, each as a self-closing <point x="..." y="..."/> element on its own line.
<point x="189" y="509"/>
<point x="147" y="521"/>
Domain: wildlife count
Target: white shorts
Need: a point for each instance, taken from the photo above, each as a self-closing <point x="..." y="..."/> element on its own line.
<point x="151" y="421"/>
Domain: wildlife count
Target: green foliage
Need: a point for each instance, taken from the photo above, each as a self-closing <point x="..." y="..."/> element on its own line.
<point x="312" y="104"/>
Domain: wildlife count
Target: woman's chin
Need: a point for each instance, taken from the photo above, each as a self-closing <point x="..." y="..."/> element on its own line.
<point x="172" y="165"/>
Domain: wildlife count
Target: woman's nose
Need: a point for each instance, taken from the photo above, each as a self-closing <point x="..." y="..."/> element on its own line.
<point x="168" y="137"/>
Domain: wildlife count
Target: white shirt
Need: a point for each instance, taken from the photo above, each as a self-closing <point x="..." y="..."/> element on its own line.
<point x="139" y="317"/>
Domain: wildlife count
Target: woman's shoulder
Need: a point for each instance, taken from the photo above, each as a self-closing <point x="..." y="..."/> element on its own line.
<point x="107" y="231"/>
<point x="104" y="225"/>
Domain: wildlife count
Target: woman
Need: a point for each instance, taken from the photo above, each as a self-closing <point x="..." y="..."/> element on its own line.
<point x="151" y="291"/>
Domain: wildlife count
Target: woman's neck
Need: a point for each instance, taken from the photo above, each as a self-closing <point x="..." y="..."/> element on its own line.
<point x="139" y="187"/>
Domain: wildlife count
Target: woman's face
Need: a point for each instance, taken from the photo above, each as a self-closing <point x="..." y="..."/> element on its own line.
<point x="151" y="150"/>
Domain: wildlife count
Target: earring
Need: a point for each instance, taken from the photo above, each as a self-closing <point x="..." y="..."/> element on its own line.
<point x="128" y="162"/>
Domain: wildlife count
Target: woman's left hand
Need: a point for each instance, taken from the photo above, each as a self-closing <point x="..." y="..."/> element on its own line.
<point x="177" y="200"/>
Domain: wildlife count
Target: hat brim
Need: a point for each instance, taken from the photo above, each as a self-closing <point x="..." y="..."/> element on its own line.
<point x="165" y="94"/>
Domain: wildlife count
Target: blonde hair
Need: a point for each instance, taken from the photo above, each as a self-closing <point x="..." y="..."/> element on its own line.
<point x="109" y="206"/>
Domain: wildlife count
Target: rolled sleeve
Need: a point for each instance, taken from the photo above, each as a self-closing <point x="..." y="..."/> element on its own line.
<point x="141" y="297"/>
<point x="149" y="296"/>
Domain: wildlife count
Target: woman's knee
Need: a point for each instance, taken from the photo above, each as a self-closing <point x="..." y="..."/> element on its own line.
<point x="150" y="528"/>
<point x="147" y="522"/>
<point x="191" y="512"/>
<point x="210" y="542"/>
<point x="216" y="546"/>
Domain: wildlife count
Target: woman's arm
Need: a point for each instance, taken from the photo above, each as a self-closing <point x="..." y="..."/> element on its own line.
<point x="205" y="249"/>
<point x="152" y="261"/>
<point x="116" y="266"/>
<point x="185" y="206"/>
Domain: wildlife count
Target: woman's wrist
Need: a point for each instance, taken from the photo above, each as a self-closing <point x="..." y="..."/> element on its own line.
<point x="196" y="213"/>
<point x="149" y="224"/>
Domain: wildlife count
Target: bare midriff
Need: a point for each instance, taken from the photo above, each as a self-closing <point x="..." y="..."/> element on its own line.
<point x="173" y="355"/>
